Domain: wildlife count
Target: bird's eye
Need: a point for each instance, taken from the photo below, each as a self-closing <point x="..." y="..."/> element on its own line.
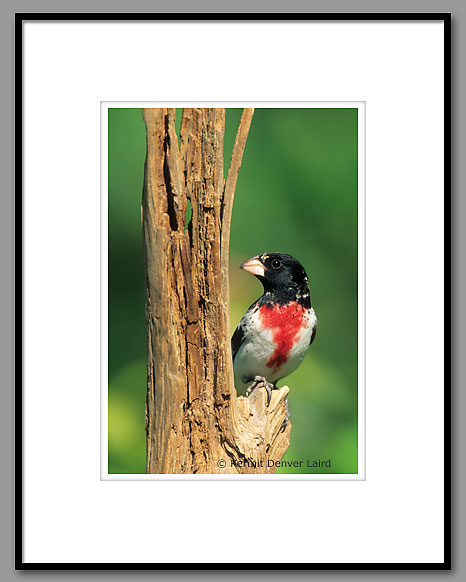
<point x="276" y="264"/>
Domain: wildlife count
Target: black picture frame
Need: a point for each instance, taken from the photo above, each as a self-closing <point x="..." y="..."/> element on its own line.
<point x="20" y="18"/>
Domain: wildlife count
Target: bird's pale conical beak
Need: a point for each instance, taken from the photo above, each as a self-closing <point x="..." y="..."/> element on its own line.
<point x="253" y="266"/>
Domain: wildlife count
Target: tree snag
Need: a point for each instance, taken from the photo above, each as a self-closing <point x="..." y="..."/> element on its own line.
<point x="195" y="422"/>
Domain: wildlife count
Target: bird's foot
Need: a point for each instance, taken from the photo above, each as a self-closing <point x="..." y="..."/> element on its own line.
<point x="287" y="417"/>
<point x="260" y="382"/>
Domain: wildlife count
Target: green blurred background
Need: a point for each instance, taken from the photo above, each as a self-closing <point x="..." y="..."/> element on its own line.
<point x="297" y="194"/>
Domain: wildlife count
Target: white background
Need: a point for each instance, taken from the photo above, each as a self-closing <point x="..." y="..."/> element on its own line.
<point x="396" y="515"/>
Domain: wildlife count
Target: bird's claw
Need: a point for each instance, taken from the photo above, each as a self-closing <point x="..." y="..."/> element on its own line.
<point x="260" y="382"/>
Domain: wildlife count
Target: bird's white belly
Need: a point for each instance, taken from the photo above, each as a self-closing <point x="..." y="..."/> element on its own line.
<point x="259" y="348"/>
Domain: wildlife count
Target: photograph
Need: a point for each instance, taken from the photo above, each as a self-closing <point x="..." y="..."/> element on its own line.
<point x="233" y="290"/>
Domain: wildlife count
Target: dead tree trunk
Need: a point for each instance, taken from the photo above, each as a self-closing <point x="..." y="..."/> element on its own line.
<point x="195" y="422"/>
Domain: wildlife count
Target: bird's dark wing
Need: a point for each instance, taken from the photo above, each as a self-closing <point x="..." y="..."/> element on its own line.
<point x="238" y="336"/>
<point x="314" y="331"/>
<point x="237" y="340"/>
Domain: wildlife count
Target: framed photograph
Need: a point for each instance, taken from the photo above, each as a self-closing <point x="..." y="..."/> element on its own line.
<point x="233" y="255"/>
<point x="282" y="208"/>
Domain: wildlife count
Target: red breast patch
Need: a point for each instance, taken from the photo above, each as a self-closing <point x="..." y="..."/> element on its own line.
<point x="285" y="321"/>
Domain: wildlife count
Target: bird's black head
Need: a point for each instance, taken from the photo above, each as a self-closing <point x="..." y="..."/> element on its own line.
<point x="281" y="275"/>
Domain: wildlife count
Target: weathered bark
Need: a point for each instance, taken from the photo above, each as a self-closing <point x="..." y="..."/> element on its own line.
<point x="195" y="422"/>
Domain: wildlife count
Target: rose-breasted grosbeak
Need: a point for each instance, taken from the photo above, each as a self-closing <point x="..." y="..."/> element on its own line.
<point x="276" y="331"/>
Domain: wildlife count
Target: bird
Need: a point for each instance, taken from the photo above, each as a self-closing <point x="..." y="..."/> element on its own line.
<point x="275" y="333"/>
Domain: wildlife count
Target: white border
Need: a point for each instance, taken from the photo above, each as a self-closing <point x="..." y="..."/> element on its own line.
<point x="397" y="514"/>
<point x="360" y="475"/>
